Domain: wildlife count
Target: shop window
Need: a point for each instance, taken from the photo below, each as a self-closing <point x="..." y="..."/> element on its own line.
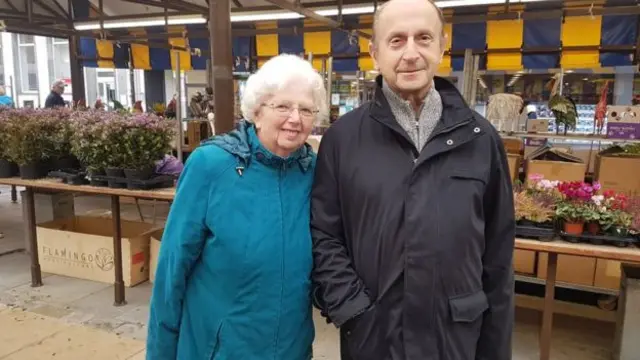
<point x="2" y="81"/>
<point x="27" y="62"/>
<point x="59" y="59"/>
<point x="583" y="88"/>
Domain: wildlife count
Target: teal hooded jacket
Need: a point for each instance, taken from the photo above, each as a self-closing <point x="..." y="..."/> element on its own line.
<point x="233" y="274"/>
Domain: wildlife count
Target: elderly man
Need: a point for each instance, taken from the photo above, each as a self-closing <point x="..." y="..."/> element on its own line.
<point x="412" y="210"/>
<point x="55" y="97"/>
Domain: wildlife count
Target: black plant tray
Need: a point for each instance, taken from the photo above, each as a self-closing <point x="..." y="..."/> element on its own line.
<point x="71" y="177"/>
<point x="535" y="233"/>
<point x="156" y="182"/>
<point x="599" y="239"/>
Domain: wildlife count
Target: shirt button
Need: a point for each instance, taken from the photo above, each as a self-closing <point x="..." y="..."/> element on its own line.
<point x="449" y="142"/>
<point x="476" y="130"/>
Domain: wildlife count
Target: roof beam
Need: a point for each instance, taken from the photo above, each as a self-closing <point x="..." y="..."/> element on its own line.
<point x="13" y="7"/>
<point x="173" y="5"/>
<point x="284" y="4"/>
<point x="65" y="12"/>
<point x="50" y="9"/>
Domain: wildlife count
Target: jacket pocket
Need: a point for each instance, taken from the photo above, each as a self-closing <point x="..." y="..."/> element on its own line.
<point x="466" y="324"/>
<point x="215" y="348"/>
<point x="468" y="308"/>
<point x="361" y="335"/>
<point x="467" y="175"/>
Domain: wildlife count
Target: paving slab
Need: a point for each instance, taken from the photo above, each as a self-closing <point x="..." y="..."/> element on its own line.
<point x="15" y="270"/>
<point x="21" y="329"/>
<point x="60" y="290"/>
<point x="65" y="341"/>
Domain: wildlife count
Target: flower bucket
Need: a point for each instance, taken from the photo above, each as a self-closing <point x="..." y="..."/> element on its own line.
<point x="34" y="170"/>
<point x="139" y="174"/>
<point x="8" y="169"/>
<point x="574" y="228"/>
<point x="593" y="228"/>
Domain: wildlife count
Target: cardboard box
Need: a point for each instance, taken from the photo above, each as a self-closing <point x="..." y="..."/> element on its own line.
<point x="82" y="247"/>
<point x="578" y="270"/>
<point x="537" y="125"/>
<point x="617" y="171"/>
<point x="555" y="164"/>
<point x="608" y="274"/>
<point x="623" y="122"/>
<point x="524" y="262"/>
<point x="49" y="205"/>
<point x="154" y="245"/>
<point x="512" y="146"/>
<point x="514" y="165"/>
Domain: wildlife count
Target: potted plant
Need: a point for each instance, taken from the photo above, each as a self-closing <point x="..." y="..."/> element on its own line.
<point x="88" y="141"/>
<point x="146" y="139"/>
<point x="616" y="218"/>
<point x="30" y="141"/>
<point x="62" y="157"/>
<point x="573" y="208"/>
<point x="7" y="167"/>
<point x="531" y="212"/>
<point x="113" y="135"/>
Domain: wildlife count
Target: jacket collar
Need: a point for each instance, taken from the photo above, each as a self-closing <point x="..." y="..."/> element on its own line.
<point x="454" y="109"/>
<point x="243" y="143"/>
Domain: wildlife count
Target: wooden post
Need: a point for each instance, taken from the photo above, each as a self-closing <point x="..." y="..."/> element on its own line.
<point x="221" y="65"/>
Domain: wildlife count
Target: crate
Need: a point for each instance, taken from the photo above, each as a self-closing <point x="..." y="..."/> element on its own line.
<point x="82" y="247"/>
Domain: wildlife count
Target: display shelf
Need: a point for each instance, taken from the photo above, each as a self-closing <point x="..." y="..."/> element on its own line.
<point x="568" y="137"/>
<point x="584" y="124"/>
<point x="534" y="280"/>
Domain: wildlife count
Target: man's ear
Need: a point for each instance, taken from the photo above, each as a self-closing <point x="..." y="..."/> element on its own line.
<point x="443" y="44"/>
<point x="373" y="53"/>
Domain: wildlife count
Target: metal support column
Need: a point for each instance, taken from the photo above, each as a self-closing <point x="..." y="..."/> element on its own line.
<point x="221" y="65"/>
<point x="179" y="107"/>
<point x="329" y="78"/>
<point x="118" y="286"/>
<point x="470" y="77"/>
<point x="77" y="75"/>
<point x="29" y="203"/>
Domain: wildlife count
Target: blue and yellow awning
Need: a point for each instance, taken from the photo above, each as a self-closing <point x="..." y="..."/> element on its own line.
<point x="504" y="45"/>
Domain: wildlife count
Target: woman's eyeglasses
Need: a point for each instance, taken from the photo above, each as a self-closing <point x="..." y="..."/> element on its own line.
<point x="287" y="109"/>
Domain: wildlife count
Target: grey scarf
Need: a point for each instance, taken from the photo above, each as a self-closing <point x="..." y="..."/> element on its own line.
<point x="418" y="126"/>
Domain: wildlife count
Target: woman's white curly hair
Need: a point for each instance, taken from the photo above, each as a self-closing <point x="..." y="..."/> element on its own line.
<point x="277" y="73"/>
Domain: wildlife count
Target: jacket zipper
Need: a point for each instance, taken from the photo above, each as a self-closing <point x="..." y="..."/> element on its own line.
<point x="449" y="129"/>
<point x="280" y="178"/>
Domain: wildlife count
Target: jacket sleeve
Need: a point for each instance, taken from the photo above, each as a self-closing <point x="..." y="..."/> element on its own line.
<point x="338" y="291"/>
<point x="497" y="277"/>
<point x="182" y="243"/>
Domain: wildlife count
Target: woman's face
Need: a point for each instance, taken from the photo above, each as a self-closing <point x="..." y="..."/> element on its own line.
<point x="285" y="119"/>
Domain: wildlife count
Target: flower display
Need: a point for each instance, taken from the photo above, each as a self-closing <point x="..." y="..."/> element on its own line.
<point x="577" y="205"/>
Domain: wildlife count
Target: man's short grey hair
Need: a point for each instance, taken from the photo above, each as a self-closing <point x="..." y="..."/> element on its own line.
<point x="380" y="9"/>
<point x="277" y="73"/>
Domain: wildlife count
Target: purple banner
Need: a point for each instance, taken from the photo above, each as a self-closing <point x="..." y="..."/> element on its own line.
<point x="627" y="131"/>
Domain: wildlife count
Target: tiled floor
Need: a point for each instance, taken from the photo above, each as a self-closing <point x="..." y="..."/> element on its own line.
<point x="89" y="304"/>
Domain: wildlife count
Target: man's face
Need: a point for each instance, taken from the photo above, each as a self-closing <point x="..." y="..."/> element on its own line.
<point x="59" y="89"/>
<point x="408" y="47"/>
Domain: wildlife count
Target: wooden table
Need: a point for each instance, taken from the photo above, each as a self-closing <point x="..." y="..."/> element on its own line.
<point x="49" y="184"/>
<point x="555" y="248"/>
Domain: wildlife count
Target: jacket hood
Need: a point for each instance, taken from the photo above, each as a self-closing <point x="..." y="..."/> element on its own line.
<point x="244" y="145"/>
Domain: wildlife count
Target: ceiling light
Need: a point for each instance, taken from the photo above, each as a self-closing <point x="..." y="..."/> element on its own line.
<point x="272" y="15"/>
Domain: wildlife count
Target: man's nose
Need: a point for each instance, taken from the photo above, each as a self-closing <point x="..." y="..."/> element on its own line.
<point x="410" y="51"/>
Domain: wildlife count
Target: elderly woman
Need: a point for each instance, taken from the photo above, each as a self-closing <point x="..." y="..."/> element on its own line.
<point x="233" y="274"/>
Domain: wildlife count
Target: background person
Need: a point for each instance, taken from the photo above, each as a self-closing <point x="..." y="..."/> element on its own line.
<point x="55" y="96"/>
